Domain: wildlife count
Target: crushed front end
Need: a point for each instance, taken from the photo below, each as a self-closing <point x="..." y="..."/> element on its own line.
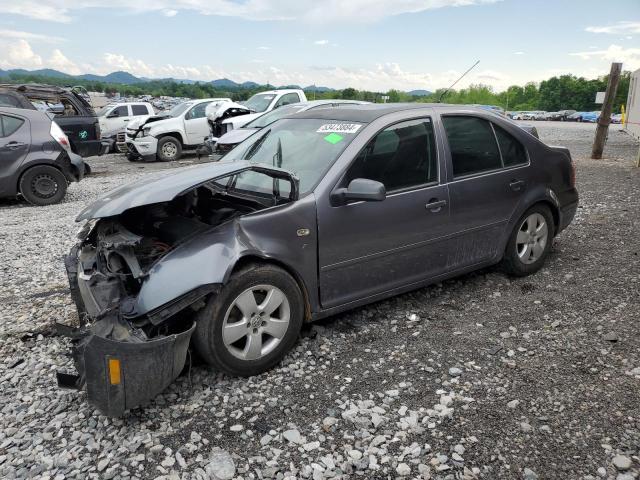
<point x="122" y="357"/>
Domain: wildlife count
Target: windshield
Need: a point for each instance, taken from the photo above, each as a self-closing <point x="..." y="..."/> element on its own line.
<point x="178" y="109"/>
<point x="259" y="102"/>
<point x="268" y="118"/>
<point x="305" y="147"/>
<point x="104" y="110"/>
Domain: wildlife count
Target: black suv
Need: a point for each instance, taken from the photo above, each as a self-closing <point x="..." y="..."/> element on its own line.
<point x="72" y="110"/>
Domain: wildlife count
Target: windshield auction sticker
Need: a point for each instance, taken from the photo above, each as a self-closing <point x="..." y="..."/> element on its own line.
<point x="339" y="128"/>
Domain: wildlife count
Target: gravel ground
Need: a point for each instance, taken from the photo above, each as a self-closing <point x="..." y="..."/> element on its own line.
<point x="479" y="377"/>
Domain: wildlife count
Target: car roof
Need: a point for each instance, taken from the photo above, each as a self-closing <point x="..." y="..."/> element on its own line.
<point x="369" y="112"/>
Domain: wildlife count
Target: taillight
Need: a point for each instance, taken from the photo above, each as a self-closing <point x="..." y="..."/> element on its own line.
<point x="60" y="137"/>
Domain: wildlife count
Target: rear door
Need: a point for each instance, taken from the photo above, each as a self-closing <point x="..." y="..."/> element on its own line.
<point x="368" y="248"/>
<point x="15" y="141"/>
<point x="489" y="173"/>
<point x="196" y="125"/>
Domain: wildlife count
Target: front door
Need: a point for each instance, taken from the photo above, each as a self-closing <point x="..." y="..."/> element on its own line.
<point x="15" y="141"/>
<point x="489" y="175"/>
<point x="366" y="248"/>
<point x="196" y="125"/>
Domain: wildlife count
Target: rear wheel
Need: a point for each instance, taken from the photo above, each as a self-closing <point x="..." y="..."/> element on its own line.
<point x="252" y="323"/>
<point x="43" y="185"/>
<point x="530" y="242"/>
<point x="169" y="149"/>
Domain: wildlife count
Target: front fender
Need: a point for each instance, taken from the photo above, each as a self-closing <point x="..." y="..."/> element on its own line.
<point x="203" y="260"/>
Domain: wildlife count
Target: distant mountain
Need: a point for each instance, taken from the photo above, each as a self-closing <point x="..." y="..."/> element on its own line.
<point x="314" y="88"/>
<point x="224" y="83"/>
<point x="419" y="93"/>
<point x="249" y="85"/>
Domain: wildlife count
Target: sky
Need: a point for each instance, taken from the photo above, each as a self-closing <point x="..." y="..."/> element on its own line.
<point x="365" y="44"/>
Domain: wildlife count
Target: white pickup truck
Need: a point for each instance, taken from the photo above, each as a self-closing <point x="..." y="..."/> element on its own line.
<point x="221" y="121"/>
<point x="115" y="117"/>
<point x="165" y="136"/>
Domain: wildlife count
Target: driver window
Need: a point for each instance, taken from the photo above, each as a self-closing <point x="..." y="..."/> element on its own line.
<point x="401" y="156"/>
<point x="198" y="111"/>
<point x="120" y="111"/>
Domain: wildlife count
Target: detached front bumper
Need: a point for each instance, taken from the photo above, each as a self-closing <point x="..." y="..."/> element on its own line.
<point x="119" y="369"/>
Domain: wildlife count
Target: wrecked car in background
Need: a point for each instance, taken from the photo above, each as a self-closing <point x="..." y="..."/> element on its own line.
<point x="164" y="137"/>
<point x="72" y="111"/>
<point x="229" y="140"/>
<point x="318" y="213"/>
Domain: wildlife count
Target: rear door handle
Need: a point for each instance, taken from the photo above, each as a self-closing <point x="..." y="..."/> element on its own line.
<point x="435" y="205"/>
<point x="516" y="185"/>
<point x="14" y="145"/>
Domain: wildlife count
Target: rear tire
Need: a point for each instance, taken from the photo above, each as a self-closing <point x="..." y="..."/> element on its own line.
<point x="252" y="323"/>
<point x="169" y="149"/>
<point x="530" y="242"/>
<point x="43" y="185"/>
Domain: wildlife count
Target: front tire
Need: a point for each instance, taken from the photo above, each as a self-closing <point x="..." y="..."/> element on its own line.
<point x="252" y="323"/>
<point x="169" y="149"/>
<point x="43" y="185"/>
<point x="530" y="242"/>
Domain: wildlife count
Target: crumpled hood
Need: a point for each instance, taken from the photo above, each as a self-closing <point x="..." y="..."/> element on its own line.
<point x="242" y="120"/>
<point x="165" y="187"/>
<point x="138" y="122"/>
<point x="217" y="110"/>
<point x="236" y="136"/>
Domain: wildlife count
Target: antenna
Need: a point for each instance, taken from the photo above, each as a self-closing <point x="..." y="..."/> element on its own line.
<point x="453" y="84"/>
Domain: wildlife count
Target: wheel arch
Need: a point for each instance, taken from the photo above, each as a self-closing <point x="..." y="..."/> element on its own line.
<point x="246" y="262"/>
<point x="176" y="135"/>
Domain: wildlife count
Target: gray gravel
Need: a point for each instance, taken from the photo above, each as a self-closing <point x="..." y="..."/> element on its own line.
<point x="479" y="377"/>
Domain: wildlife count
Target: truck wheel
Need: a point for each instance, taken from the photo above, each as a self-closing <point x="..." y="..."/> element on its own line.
<point x="169" y="149"/>
<point x="43" y="185"/>
<point x="252" y="323"/>
<point x="530" y="242"/>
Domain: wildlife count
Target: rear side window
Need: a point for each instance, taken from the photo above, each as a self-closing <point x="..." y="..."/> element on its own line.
<point x="9" y="125"/>
<point x="513" y="152"/>
<point x="401" y="156"/>
<point x="472" y="144"/>
<point x="139" y="110"/>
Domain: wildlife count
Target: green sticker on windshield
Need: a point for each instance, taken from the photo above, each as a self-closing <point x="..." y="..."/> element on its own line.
<point x="333" y="138"/>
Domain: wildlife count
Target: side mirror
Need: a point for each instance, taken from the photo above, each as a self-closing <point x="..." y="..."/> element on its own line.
<point x="359" y="189"/>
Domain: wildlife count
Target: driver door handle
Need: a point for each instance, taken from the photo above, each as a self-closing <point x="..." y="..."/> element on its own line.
<point x="435" y="205"/>
<point x="14" y="145"/>
<point x="516" y="185"/>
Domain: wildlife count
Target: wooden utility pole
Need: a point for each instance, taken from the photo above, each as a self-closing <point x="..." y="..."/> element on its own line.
<point x="605" y="114"/>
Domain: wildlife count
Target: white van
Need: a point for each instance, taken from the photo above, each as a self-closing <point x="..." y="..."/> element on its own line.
<point x="115" y="117"/>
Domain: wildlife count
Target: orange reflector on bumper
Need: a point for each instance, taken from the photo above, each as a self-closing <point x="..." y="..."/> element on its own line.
<point x="114" y="371"/>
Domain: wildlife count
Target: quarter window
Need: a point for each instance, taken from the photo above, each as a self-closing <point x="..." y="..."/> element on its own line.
<point x="9" y="125"/>
<point x="513" y="152"/>
<point x="472" y="144"/>
<point x="401" y="156"/>
<point x="8" y="101"/>
<point x="139" y="110"/>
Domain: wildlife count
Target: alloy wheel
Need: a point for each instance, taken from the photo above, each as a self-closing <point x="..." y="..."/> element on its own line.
<point x="256" y="322"/>
<point x="532" y="238"/>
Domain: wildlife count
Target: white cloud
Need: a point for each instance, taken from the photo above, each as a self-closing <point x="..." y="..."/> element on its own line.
<point x="264" y="48"/>
<point x="60" y="62"/>
<point x="321" y="42"/>
<point x="630" y="57"/>
<point x="19" y="54"/>
<point x="169" y="13"/>
<point x="518" y="53"/>
<point x="305" y="10"/>
<point x="34" y="37"/>
<point x="620" y="28"/>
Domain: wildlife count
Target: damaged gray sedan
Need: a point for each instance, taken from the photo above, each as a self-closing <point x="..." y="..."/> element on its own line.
<point x="319" y="213"/>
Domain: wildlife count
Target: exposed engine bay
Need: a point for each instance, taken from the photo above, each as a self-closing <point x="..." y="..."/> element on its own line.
<point x="218" y="113"/>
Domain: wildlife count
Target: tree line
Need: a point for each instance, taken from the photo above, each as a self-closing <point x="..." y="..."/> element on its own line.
<point x="565" y="92"/>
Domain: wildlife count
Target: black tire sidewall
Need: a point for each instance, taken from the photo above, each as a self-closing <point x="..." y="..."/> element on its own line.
<point x="208" y="335"/>
<point x="512" y="262"/>
<point x="164" y="140"/>
<point x="33" y="172"/>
